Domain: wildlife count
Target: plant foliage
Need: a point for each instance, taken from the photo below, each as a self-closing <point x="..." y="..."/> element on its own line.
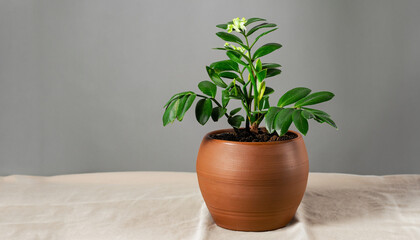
<point x="243" y="76"/>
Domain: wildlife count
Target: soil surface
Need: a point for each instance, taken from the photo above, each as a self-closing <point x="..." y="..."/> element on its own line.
<point x="242" y="135"/>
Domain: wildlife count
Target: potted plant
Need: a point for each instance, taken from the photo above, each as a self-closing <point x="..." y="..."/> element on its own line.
<point x="251" y="178"/>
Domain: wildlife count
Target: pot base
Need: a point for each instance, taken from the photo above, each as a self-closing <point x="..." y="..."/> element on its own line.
<point x="250" y="222"/>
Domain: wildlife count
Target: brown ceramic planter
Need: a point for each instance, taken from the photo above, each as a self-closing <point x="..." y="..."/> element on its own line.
<point x="251" y="186"/>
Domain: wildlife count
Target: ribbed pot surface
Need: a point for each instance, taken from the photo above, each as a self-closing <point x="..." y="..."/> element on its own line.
<point x="252" y="186"/>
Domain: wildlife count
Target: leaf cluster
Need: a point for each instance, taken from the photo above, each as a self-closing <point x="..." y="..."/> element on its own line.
<point x="242" y="77"/>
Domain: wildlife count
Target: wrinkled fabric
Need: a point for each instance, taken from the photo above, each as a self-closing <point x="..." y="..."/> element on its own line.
<point x="168" y="205"/>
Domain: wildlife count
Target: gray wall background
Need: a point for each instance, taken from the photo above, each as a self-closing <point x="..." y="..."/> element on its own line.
<point x="82" y="83"/>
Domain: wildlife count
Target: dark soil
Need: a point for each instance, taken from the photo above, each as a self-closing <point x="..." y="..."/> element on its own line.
<point x="242" y="135"/>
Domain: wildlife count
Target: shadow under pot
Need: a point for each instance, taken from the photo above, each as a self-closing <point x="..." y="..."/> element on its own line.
<point x="252" y="186"/>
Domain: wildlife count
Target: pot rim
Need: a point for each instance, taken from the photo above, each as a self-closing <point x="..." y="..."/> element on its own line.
<point x="208" y="138"/>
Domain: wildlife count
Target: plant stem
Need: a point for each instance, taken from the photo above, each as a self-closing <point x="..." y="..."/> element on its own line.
<point x="247" y="44"/>
<point x="247" y="124"/>
<point x="252" y="79"/>
<point x="247" y="100"/>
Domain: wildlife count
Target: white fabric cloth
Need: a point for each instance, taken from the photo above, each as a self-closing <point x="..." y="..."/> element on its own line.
<point x="168" y="205"/>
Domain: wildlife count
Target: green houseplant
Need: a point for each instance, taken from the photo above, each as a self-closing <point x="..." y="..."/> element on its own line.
<point x="243" y="77"/>
<point x="250" y="183"/>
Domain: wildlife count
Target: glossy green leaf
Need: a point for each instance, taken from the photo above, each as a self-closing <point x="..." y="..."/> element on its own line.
<point x="170" y="112"/>
<point x="182" y="102"/>
<point x="233" y="94"/>
<point x="327" y="120"/>
<point x="315" y="98"/>
<point x="229" y="75"/>
<point x="165" y="117"/>
<point x="271" y="72"/>
<point x="261" y="90"/>
<point x="186" y="106"/>
<point x="235" y="111"/>
<point x="222" y="26"/>
<point x="236" y="53"/>
<point x="270" y="65"/>
<point x="252" y="20"/>
<point x="203" y="110"/>
<point x="264" y="103"/>
<point x="217" y="113"/>
<point x="241" y="55"/>
<point x="260" y="26"/>
<point x="258" y="65"/>
<point x="270" y="117"/>
<point x="317" y="112"/>
<point x="225" y="97"/>
<point x="215" y="77"/>
<point x="318" y="119"/>
<point x="236" y="121"/>
<point x="300" y="122"/>
<point x="293" y="96"/>
<point x="262" y="75"/>
<point x="234" y="57"/>
<point x="244" y="46"/>
<point x="239" y="80"/>
<point x="226" y="65"/>
<point x="178" y="95"/>
<point x="236" y="92"/>
<point x="208" y="88"/>
<point x="266" y="49"/>
<point x="283" y="120"/>
<point x="263" y="34"/>
<point x="228" y="37"/>
<point x="320" y="116"/>
<point x="307" y="115"/>
<point x="268" y="91"/>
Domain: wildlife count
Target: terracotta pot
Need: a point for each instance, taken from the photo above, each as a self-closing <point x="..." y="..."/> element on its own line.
<point x="252" y="186"/>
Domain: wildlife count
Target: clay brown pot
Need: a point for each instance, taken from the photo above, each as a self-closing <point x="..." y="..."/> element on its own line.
<point x="252" y="186"/>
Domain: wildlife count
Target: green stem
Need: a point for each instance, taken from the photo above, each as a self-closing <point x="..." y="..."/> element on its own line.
<point x="253" y="43"/>
<point x="242" y="77"/>
<point x="252" y="78"/>
<point x="246" y="101"/>
<point x="251" y="72"/>
<point x="247" y="44"/>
